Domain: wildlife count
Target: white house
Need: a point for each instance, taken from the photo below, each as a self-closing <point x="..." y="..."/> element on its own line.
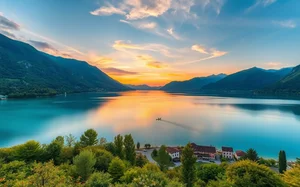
<point x="174" y="152"/>
<point x="227" y="152"/>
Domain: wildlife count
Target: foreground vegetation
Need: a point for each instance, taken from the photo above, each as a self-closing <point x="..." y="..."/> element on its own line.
<point x="91" y="162"/>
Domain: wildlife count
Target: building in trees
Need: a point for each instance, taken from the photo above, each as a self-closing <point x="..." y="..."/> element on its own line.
<point x="227" y="152"/>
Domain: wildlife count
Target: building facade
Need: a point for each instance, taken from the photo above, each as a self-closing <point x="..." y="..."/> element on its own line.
<point x="227" y="152"/>
<point x="204" y="152"/>
<point x="174" y="153"/>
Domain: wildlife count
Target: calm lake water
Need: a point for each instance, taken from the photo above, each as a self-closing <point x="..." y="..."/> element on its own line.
<point x="268" y="125"/>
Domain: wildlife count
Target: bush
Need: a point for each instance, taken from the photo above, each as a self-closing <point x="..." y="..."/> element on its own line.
<point x="99" y="179"/>
<point x="292" y="176"/>
<point x="249" y="173"/>
<point x="116" y="169"/>
<point x="208" y="172"/>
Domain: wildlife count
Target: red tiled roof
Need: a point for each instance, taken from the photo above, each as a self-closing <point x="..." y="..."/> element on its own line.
<point x="203" y="149"/>
<point x="227" y="149"/>
<point x="172" y="150"/>
<point x="240" y="153"/>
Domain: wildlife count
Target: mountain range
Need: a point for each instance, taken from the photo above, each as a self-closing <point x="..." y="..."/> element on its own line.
<point x="194" y="84"/>
<point x="27" y="72"/>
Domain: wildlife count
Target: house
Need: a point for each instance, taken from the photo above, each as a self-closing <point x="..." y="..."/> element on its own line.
<point x="174" y="153"/>
<point x="204" y="152"/>
<point x="238" y="154"/>
<point x="227" y="152"/>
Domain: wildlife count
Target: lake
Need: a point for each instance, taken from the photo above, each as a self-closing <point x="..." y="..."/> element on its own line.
<point x="267" y="125"/>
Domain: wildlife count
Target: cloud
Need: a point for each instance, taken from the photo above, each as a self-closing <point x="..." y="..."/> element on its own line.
<point x="286" y="24"/>
<point x="118" y="72"/>
<point x="107" y="11"/>
<point x="199" y="48"/>
<point x="214" y="4"/>
<point x="8" y="34"/>
<point x="8" y="24"/>
<point x="41" y="45"/>
<point x="260" y="3"/>
<point x="48" y="48"/>
<point x="151" y="62"/>
<point x="173" y="34"/>
<point x="274" y="65"/>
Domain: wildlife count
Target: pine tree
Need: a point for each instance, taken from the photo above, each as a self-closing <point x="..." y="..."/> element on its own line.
<point x="129" y="145"/>
<point x="282" y="162"/>
<point x="89" y="138"/>
<point x="119" y="150"/>
<point x="188" y="169"/>
<point x="164" y="158"/>
<point x="138" y="145"/>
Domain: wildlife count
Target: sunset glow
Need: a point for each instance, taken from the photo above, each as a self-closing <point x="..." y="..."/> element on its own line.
<point x="155" y="42"/>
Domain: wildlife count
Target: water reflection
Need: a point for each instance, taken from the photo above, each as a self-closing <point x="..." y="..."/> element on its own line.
<point x="267" y="125"/>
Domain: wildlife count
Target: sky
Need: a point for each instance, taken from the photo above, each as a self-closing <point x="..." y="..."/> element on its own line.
<point x="157" y="41"/>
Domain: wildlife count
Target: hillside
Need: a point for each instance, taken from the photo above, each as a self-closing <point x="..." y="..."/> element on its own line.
<point x="288" y="84"/>
<point x="27" y="72"/>
<point x="249" y="79"/>
<point x="194" y="84"/>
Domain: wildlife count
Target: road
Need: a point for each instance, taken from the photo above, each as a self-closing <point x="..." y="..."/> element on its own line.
<point x="148" y="155"/>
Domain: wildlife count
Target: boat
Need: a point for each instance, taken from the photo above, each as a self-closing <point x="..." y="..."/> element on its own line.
<point x="158" y="119"/>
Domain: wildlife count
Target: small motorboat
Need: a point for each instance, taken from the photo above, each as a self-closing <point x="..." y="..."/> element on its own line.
<point x="158" y="119"/>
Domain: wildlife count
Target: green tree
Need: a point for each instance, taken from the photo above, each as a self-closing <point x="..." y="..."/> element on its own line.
<point x="154" y="153"/>
<point x="119" y="149"/>
<point x="116" y="169"/>
<point x="103" y="159"/>
<point x="53" y="151"/>
<point x="248" y="173"/>
<point x="188" y="161"/>
<point x="13" y="172"/>
<point x="141" y="160"/>
<point x="99" y="179"/>
<point x="129" y="149"/>
<point x="110" y="147"/>
<point x="251" y="154"/>
<point x="28" y="152"/>
<point x="47" y="174"/>
<point x="147" y="146"/>
<point x="89" y="138"/>
<point x="164" y="159"/>
<point x="70" y="140"/>
<point x="130" y="174"/>
<point x="138" y="145"/>
<point x="84" y="164"/>
<point x="207" y="172"/>
<point x="60" y="140"/>
<point x="151" y="179"/>
<point x="292" y="176"/>
<point x="282" y="162"/>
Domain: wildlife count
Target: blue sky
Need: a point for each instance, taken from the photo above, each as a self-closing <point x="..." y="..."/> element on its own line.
<point x="156" y="41"/>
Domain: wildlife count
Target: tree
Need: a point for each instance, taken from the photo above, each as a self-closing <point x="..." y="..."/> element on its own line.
<point x="84" y="164"/>
<point x="207" y="172"/>
<point x="103" y="159"/>
<point x="163" y="159"/>
<point x="141" y="160"/>
<point x="60" y="140"/>
<point x="53" y="151"/>
<point x="116" y="169"/>
<point x="282" y="162"/>
<point x="28" y="152"/>
<point x="129" y="145"/>
<point x="292" y="176"/>
<point x="102" y="141"/>
<point x="48" y="175"/>
<point x="70" y="140"/>
<point x="251" y="154"/>
<point x="138" y="145"/>
<point x="119" y="146"/>
<point x="89" y="138"/>
<point x="99" y="179"/>
<point x="110" y="147"/>
<point x="154" y="153"/>
<point x="249" y="173"/>
<point x="147" y="146"/>
<point x="188" y="161"/>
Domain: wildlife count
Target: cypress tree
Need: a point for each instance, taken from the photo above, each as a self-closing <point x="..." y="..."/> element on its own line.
<point x="188" y="169"/>
<point x="119" y="150"/>
<point x="129" y="149"/>
<point x="282" y="162"/>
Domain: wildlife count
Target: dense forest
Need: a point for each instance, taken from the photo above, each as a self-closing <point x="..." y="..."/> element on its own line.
<point x="93" y="162"/>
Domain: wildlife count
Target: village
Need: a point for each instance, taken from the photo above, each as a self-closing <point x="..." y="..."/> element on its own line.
<point x="203" y="153"/>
